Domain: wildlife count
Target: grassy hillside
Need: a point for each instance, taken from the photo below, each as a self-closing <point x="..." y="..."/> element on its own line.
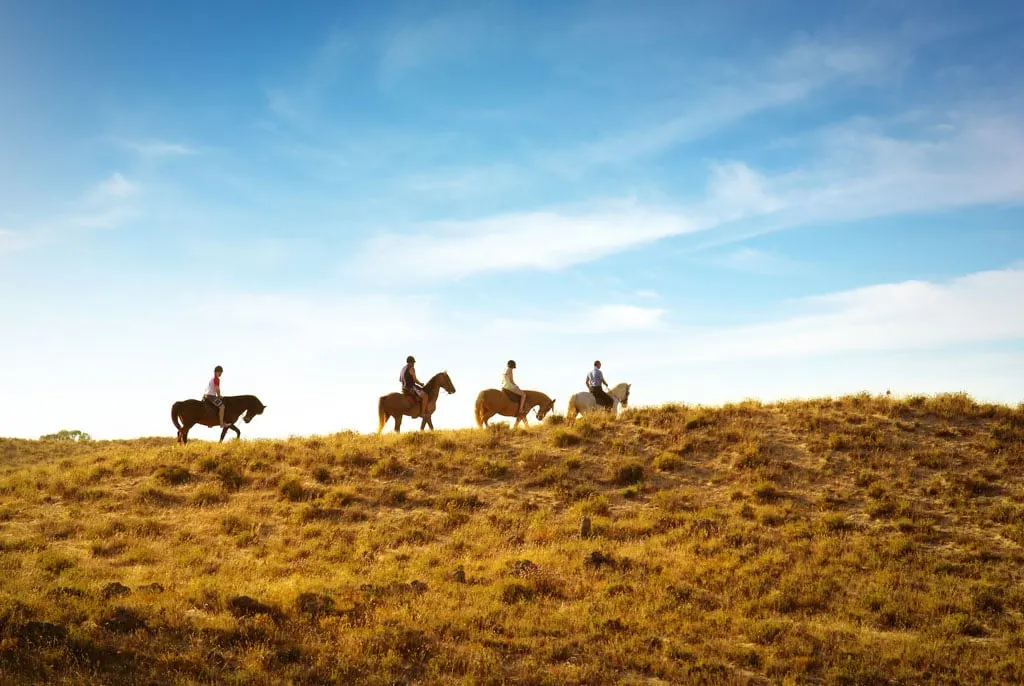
<point x="853" y="541"/>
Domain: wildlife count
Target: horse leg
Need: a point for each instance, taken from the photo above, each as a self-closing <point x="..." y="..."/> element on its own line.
<point x="238" y="434"/>
<point x="184" y="433"/>
<point x="398" y="423"/>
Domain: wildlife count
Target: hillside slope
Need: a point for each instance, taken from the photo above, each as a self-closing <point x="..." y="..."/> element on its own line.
<point x="849" y="541"/>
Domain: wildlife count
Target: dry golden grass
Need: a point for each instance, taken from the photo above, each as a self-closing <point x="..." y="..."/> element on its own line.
<point x="860" y="540"/>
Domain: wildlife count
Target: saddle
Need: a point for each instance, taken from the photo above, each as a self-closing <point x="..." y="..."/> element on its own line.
<point x="512" y="397"/>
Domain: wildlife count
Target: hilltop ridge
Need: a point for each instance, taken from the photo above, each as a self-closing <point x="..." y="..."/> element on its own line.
<point x="860" y="539"/>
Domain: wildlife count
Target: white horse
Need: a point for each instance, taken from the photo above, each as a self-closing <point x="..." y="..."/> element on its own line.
<point x="584" y="402"/>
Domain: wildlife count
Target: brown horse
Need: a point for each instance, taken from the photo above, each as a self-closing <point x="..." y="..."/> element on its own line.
<point x="492" y="401"/>
<point x="187" y="413"/>
<point x="398" y="404"/>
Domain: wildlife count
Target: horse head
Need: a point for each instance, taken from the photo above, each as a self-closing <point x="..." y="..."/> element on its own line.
<point x="546" y="405"/>
<point x="255" y="408"/>
<point x="446" y="382"/>
<point x="621" y="393"/>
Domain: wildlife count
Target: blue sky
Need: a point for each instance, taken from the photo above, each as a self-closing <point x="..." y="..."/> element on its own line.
<point x="718" y="200"/>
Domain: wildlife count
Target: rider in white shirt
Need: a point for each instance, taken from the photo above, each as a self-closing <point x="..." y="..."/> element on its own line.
<point x="595" y="381"/>
<point x="212" y="394"/>
<point x="509" y="385"/>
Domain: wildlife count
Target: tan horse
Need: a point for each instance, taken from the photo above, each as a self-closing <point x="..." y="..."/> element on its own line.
<point x="492" y="401"/>
<point x="398" y="404"/>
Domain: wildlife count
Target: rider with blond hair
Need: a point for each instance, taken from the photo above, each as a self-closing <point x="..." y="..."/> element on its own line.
<point x="510" y="387"/>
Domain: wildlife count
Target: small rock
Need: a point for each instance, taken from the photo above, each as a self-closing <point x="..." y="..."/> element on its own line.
<point x="585" y="527"/>
<point x="314" y="604"/>
<point x="244" y="606"/>
<point x="42" y="633"/>
<point x="123" y="621"/>
<point x="152" y="588"/>
<point x="418" y="587"/>
<point x="598" y="559"/>
<point x="459" y="576"/>
<point x="115" y="589"/>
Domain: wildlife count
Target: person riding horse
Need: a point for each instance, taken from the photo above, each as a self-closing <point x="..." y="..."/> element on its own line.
<point x="213" y="395"/>
<point x="510" y="387"/>
<point x="595" y="381"/>
<point x="411" y="384"/>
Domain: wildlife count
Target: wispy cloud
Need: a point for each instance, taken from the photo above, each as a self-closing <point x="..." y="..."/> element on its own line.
<point x="160" y="148"/>
<point x="116" y="186"/>
<point x="537" y="240"/>
<point x="106" y="205"/>
<point x="976" y="308"/>
<point x="859" y="172"/>
<point x="593" y="319"/>
<point x="12" y="241"/>
<point x="436" y="40"/>
<point x="796" y="73"/>
<point x="298" y="100"/>
<point x="755" y="261"/>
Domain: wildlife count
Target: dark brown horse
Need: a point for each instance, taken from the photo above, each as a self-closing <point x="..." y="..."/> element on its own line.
<point x="187" y="413"/>
<point x="398" y="404"/>
<point x="492" y="401"/>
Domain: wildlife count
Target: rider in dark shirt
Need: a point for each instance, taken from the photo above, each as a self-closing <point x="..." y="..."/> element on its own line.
<point x="411" y="384"/>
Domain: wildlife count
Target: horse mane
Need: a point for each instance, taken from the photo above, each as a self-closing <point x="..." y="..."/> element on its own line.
<point x="435" y="380"/>
<point x="541" y="394"/>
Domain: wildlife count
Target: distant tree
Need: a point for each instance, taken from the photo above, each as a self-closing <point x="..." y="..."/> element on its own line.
<point x="67" y="435"/>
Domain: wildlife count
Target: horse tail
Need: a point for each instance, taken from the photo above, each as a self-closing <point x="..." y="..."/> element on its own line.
<point x="478" y="411"/>
<point x="174" y="415"/>
<point x="570" y="412"/>
<point x="382" y="415"/>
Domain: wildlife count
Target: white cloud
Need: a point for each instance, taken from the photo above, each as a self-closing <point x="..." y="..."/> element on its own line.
<point x="794" y="75"/>
<point x="117" y="186"/>
<point x="599" y="319"/>
<point x="536" y="240"/>
<point x="735" y="191"/>
<point x="160" y="148"/>
<point x="440" y="38"/>
<point x="978" y="308"/>
<point x="859" y="174"/>
<point x="299" y="100"/>
<point x="755" y="261"/>
<point x="321" y="362"/>
<point x="106" y="205"/>
<point x="12" y="241"/>
<point x="625" y="317"/>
